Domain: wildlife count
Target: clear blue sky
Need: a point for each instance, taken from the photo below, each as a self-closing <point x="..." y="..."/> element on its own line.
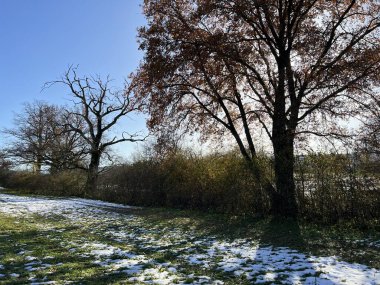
<point x="39" y="39"/>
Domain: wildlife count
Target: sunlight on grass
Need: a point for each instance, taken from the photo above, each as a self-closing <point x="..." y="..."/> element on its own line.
<point x="61" y="240"/>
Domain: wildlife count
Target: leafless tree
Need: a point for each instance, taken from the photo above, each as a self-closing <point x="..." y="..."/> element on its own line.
<point x="100" y="108"/>
<point x="68" y="150"/>
<point x="5" y="163"/>
<point x="39" y="138"/>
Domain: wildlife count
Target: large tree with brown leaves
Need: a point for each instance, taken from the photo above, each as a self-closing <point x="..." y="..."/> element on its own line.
<point x="238" y="66"/>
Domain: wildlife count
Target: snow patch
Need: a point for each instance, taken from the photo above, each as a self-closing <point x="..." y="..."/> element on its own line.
<point x="257" y="263"/>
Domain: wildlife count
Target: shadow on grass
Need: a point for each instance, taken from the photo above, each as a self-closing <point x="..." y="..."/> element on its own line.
<point x="283" y="232"/>
<point x="307" y="237"/>
<point x="267" y="230"/>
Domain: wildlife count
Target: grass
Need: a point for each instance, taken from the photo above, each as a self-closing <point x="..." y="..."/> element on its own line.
<point x="22" y="241"/>
<point x="315" y="239"/>
<point x="54" y="245"/>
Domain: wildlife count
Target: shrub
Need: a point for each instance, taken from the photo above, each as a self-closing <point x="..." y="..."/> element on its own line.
<point x="185" y="180"/>
<point x="66" y="183"/>
<point x="333" y="187"/>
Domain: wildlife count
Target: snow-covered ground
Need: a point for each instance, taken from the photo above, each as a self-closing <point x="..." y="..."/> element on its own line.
<point x="134" y="249"/>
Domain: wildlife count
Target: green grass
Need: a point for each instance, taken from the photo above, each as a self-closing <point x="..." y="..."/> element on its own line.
<point x="312" y="238"/>
<point x="49" y="240"/>
<point x="29" y="235"/>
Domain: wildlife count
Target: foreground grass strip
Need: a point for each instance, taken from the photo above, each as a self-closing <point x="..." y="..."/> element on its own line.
<point x="46" y="240"/>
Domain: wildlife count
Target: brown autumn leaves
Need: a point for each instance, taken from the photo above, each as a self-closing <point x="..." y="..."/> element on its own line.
<point x="236" y="69"/>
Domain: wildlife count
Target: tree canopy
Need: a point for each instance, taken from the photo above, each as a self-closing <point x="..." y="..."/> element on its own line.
<point x="288" y="67"/>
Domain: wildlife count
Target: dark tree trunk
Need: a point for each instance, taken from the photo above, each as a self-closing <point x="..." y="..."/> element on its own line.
<point x="284" y="201"/>
<point x="92" y="174"/>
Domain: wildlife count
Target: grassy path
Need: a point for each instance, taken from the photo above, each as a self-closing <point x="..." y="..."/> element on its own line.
<point x="57" y="241"/>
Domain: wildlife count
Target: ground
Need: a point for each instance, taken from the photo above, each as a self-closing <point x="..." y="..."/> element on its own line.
<point x="46" y="240"/>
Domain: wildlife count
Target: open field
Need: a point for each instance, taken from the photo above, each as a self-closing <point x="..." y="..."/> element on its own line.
<point x="57" y="240"/>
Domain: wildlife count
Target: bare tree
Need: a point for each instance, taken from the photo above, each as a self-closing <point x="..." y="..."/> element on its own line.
<point x="5" y="166"/>
<point x="5" y="163"/>
<point x="68" y="150"/>
<point x="237" y="67"/>
<point x="31" y="135"/>
<point x="100" y="108"/>
<point x="39" y="138"/>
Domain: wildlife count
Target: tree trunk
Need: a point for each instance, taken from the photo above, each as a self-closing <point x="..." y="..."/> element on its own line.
<point x="92" y="174"/>
<point x="37" y="165"/>
<point x="284" y="201"/>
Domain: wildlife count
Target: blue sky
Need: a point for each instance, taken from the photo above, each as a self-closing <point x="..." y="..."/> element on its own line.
<point x="39" y="39"/>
